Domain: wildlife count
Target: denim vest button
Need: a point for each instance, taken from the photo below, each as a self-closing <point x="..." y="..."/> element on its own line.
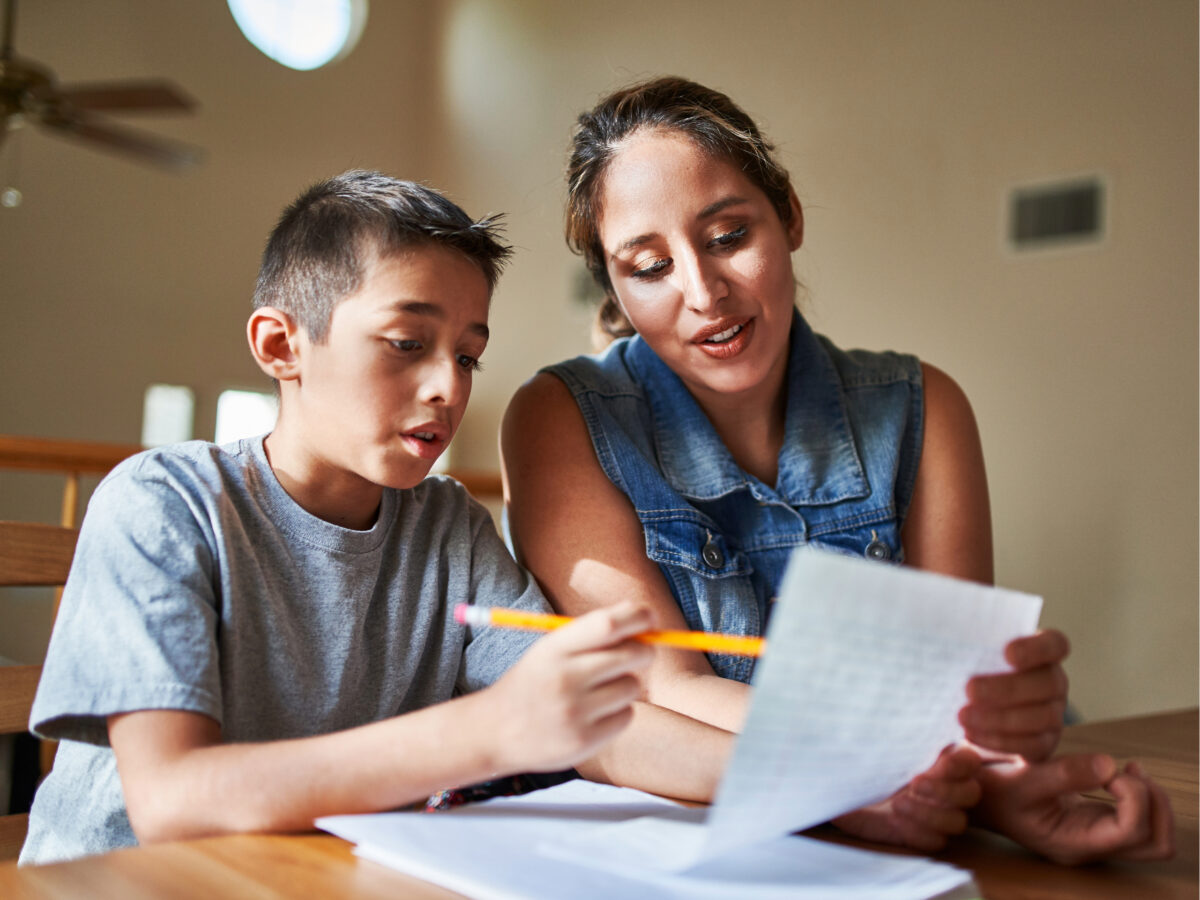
<point x="877" y="550"/>
<point x="712" y="555"/>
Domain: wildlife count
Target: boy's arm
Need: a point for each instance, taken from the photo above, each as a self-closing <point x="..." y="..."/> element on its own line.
<point x="565" y="698"/>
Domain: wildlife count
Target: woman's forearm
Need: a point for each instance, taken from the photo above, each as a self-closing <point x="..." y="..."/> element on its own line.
<point x="705" y="696"/>
<point x="666" y="753"/>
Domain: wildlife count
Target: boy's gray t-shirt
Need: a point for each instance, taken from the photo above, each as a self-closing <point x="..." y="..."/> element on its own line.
<point x="200" y="585"/>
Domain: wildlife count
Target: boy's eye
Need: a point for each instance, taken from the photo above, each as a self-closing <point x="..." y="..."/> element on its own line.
<point x="654" y="268"/>
<point x="470" y="363"/>
<point x="406" y="345"/>
<point x="729" y="238"/>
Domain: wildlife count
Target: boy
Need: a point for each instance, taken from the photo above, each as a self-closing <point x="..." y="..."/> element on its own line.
<point x="258" y="634"/>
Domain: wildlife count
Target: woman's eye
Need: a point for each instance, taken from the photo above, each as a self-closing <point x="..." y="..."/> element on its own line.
<point x="729" y="238"/>
<point x="652" y="269"/>
<point x="470" y="363"/>
<point x="406" y="345"/>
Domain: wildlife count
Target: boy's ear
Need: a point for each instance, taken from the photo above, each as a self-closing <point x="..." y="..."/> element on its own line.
<point x="274" y="343"/>
<point x="795" y="228"/>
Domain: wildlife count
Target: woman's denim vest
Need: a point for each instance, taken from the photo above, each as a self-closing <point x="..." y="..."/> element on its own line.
<point x="721" y="537"/>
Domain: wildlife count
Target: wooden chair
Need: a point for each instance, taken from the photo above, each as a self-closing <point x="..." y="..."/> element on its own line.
<point x="71" y="459"/>
<point x="31" y="555"/>
<point x="36" y="555"/>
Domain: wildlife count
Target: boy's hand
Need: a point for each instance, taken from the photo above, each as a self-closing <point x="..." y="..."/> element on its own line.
<point x="1038" y="806"/>
<point x="572" y="691"/>
<point x="1021" y="711"/>
<point x="929" y="809"/>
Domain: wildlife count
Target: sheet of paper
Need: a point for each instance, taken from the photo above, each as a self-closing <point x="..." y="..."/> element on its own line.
<point x="859" y="689"/>
<point x="490" y="851"/>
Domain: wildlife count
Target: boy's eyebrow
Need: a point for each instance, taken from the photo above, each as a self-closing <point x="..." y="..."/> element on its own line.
<point x="434" y="311"/>
<point x="711" y="210"/>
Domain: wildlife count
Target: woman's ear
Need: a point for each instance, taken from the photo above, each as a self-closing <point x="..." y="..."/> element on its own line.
<point x="795" y="227"/>
<point x="274" y="343"/>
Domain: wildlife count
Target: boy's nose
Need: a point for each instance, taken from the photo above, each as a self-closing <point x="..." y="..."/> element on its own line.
<point x="445" y="383"/>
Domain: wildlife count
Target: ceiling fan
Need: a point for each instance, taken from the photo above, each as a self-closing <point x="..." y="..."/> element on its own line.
<point x="30" y="93"/>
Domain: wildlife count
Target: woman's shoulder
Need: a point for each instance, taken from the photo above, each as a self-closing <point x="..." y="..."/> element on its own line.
<point x="541" y="420"/>
<point x="544" y="396"/>
<point x="606" y="372"/>
<point x="862" y="368"/>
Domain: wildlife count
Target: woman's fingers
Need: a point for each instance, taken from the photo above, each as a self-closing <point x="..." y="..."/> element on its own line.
<point x="1144" y="825"/>
<point x="1020" y="688"/>
<point x="930" y="817"/>
<point x="1161" y="842"/>
<point x="958" y="793"/>
<point x="1020" y="711"/>
<point x="1044" y="648"/>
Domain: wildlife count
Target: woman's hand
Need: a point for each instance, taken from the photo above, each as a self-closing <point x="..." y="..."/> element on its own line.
<point x="1038" y="805"/>
<point x="1021" y="711"/>
<point x="929" y="809"/>
<point x="571" y="692"/>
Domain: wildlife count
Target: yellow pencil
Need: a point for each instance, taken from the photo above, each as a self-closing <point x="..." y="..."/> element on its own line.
<point x="736" y="644"/>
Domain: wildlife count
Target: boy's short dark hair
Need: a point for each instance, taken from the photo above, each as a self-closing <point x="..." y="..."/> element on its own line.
<point x="317" y="253"/>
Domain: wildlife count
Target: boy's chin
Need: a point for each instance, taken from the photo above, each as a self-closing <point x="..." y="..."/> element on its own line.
<point x="411" y="477"/>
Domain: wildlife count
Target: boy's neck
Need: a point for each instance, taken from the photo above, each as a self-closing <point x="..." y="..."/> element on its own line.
<point x="320" y="488"/>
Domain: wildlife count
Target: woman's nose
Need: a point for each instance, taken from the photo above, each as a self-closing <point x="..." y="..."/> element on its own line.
<point x="704" y="286"/>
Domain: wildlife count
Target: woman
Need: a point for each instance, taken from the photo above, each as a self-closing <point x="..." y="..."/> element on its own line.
<point x="682" y="465"/>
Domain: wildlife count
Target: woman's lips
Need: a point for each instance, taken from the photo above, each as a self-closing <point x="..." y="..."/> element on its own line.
<point x="725" y="339"/>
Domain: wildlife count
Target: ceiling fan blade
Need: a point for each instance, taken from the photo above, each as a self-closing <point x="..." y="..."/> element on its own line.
<point x="147" y="148"/>
<point x="127" y="96"/>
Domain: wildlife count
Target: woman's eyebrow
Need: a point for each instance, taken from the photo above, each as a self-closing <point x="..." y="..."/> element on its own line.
<point x="719" y="206"/>
<point x="708" y="212"/>
<point x="632" y="244"/>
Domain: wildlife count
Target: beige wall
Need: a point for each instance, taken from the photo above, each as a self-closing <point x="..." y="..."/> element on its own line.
<point x="904" y="126"/>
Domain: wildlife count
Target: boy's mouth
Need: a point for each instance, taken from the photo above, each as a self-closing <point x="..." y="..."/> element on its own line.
<point x="427" y="441"/>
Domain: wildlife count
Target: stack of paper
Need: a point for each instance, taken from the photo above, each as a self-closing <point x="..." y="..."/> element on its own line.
<point x="857" y="692"/>
<point x="509" y="848"/>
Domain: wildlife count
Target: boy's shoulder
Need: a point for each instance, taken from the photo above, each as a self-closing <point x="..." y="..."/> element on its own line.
<point x="189" y="465"/>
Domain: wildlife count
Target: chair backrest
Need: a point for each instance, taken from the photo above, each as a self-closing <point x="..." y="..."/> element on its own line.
<point x="31" y="555"/>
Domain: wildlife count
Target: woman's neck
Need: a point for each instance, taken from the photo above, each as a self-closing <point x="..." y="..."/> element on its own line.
<point x="751" y="424"/>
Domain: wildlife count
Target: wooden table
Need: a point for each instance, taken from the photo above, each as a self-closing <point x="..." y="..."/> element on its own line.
<point x="319" y="865"/>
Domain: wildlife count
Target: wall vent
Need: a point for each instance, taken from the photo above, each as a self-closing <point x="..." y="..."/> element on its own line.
<point x="1054" y="214"/>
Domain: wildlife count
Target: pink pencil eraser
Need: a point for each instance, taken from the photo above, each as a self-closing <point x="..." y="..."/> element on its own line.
<point x="460" y="614"/>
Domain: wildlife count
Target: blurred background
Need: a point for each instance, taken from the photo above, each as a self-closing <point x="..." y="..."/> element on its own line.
<point x="908" y="129"/>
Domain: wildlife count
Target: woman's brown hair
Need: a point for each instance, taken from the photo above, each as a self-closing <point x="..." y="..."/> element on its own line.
<point x="717" y="125"/>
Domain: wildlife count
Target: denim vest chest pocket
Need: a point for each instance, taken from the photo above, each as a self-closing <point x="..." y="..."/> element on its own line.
<point x="874" y="537"/>
<point x="709" y="578"/>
